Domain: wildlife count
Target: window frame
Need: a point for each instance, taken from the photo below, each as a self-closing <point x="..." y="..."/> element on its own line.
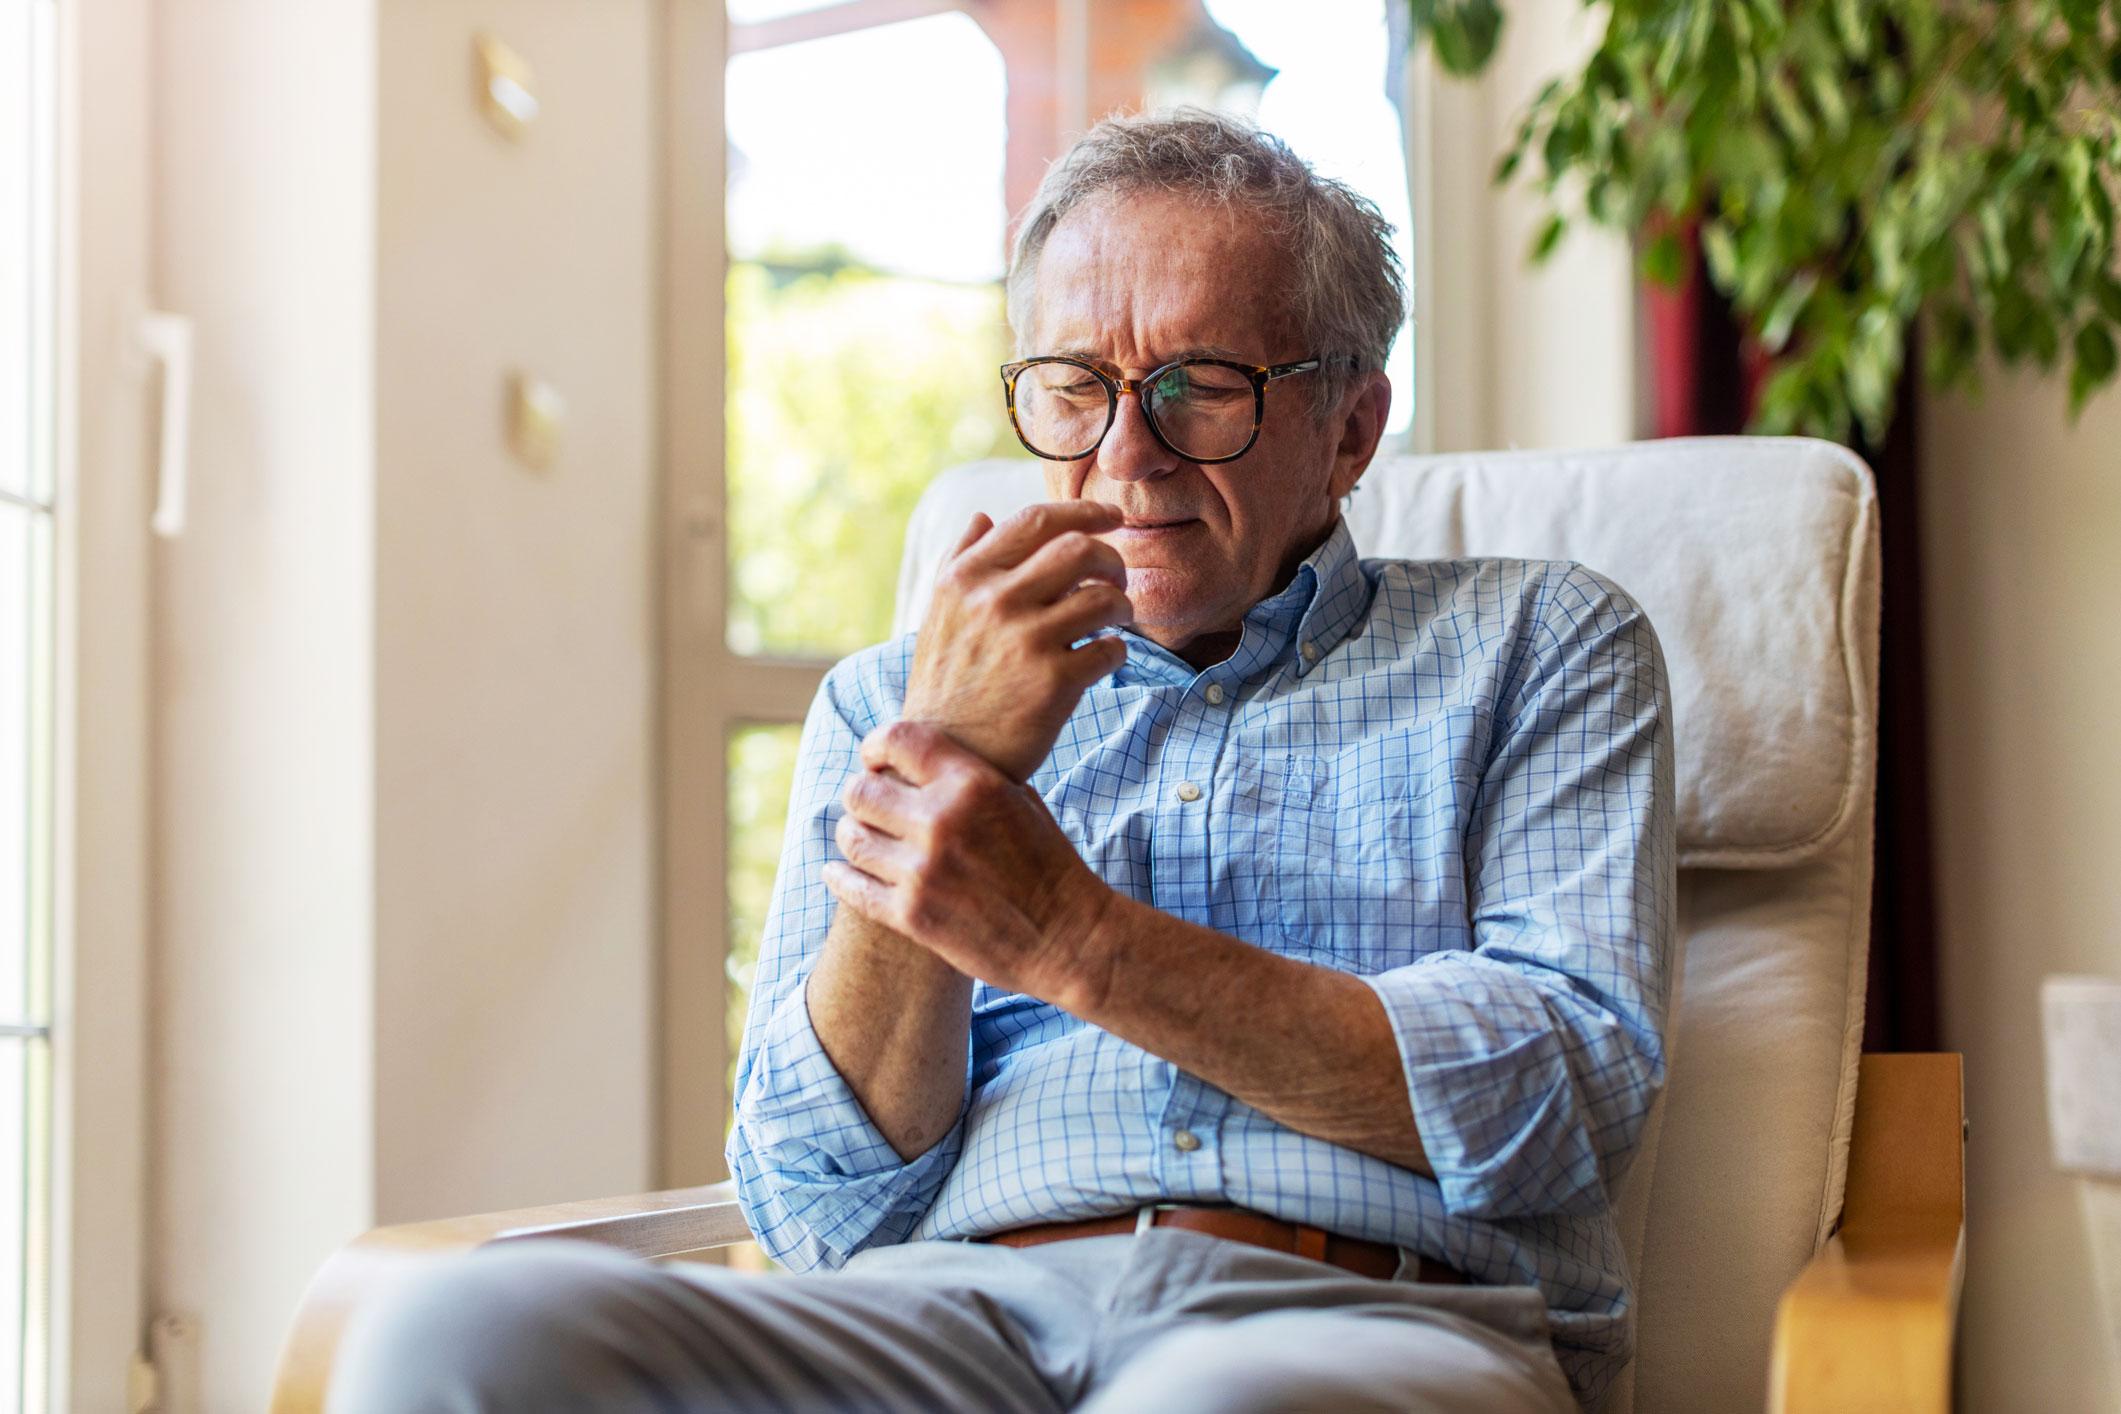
<point x="705" y="689"/>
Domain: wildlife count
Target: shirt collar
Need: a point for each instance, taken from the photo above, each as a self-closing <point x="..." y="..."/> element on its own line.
<point x="1310" y="616"/>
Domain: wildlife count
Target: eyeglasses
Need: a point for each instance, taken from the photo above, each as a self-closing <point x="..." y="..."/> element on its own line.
<point x="1205" y="410"/>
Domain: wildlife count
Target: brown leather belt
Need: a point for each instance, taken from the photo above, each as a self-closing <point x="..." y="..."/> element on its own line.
<point x="1369" y="1259"/>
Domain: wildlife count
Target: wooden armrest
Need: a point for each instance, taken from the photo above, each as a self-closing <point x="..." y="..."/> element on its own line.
<point x="666" y="1224"/>
<point x="1868" y="1324"/>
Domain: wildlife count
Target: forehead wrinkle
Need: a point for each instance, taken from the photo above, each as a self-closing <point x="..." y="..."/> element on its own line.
<point x="1159" y="277"/>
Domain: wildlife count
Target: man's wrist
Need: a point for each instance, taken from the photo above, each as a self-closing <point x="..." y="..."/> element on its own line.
<point x="1012" y="767"/>
<point x="1091" y="941"/>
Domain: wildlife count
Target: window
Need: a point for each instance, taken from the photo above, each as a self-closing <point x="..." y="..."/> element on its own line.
<point x="27" y="664"/>
<point x="877" y="151"/>
<point x="865" y="322"/>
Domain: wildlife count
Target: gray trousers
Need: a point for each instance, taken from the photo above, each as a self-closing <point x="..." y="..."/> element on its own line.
<point x="1164" y="1321"/>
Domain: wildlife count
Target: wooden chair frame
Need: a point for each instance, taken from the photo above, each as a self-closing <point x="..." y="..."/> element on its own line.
<point x="1868" y="1324"/>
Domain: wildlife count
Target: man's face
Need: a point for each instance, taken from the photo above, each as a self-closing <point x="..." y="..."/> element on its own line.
<point x="1130" y="284"/>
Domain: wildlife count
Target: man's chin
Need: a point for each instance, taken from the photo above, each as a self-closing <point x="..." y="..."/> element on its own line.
<point x="1161" y="623"/>
<point x="1165" y="593"/>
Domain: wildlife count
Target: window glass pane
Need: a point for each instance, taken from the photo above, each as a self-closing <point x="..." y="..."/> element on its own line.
<point x="41" y="743"/>
<point x="866" y="236"/>
<point x="43" y="244"/>
<point x="1350" y="131"/>
<point x="761" y="764"/>
<point x="17" y="681"/>
<point x="18" y="213"/>
<point x="761" y="771"/>
<point x="15" y="1119"/>
<point x="28" y="286"/>
<point x="37" y="1225"/>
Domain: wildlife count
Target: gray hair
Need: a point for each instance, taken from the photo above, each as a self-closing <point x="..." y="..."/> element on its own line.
<point x="1346" y="294"/>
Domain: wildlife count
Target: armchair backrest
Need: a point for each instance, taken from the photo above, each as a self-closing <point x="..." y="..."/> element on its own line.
<point x="1757" y="561"/>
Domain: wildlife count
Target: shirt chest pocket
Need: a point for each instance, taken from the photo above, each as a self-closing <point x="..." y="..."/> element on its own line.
<point x="1360" y="868"/>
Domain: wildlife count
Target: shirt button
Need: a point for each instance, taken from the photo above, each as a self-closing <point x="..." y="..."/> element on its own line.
<point x="1188" y="791"/>
<point x="1186" y="1140"/>
<point x="1310" y="651"/>
<point x="1214" y="694"/>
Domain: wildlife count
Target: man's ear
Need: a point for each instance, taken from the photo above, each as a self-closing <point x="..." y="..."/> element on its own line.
<point x="1362" y="412"/>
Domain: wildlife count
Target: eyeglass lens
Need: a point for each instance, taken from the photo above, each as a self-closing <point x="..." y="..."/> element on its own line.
<point x="1204" y="410"/>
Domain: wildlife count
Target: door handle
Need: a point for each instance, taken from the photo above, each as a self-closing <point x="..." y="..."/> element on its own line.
<point x="166" y="338"/>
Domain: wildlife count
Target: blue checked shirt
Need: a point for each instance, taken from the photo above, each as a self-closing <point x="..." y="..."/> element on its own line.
<point x="1451" y="778"/>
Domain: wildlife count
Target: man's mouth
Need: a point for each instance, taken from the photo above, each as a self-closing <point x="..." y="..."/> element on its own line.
<point x="1155" y="522"/>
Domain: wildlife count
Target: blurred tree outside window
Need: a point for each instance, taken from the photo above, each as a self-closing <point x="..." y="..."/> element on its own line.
<point x="849" y="388"/>
<point x="761" y="773"/>
<point x="865" y="325"/>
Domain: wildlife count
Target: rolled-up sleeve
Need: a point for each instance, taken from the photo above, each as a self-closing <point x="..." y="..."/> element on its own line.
<point x="818" y="1181"/>
<point x="1532" y="1057"/>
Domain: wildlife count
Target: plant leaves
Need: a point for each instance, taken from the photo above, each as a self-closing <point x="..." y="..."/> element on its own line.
<point x="2107" y="295"/>
<point x="1465" y="32"/>
<point x="1953" y="339"/>
<point x="1550" y="234"/>
<point x="1782" y="314"/>
<point x="1850" y="174"/>
<point x="2094" y="347"/>
<point x="1721" y="253"/>
<point x="1664" y="260"/>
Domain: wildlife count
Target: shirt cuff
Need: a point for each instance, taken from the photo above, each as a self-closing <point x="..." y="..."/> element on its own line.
<point x="1488" y="1079"/>
<point x="806" y="1153"/>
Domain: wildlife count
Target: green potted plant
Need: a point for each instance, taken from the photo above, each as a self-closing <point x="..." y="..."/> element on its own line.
<point x="1848" y="166"/>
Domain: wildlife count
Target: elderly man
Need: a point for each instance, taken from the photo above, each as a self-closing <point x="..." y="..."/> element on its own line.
<point x="1207" y="970"/>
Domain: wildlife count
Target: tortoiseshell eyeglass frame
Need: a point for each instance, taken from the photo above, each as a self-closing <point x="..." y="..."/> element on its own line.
<point x="1260" y="374"/>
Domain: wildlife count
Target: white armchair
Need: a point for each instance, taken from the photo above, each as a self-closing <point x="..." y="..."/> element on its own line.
<point x="1790" y="1247"/>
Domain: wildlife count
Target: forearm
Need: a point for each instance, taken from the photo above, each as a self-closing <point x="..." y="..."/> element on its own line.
<point x="1309" y="1046"/>
<point x="895" y="1020"/>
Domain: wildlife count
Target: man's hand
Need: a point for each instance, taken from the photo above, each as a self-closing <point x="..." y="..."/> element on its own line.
<point x="945" y="850"/>
<point x="995" y="665"/>
<point x="973" y="870"/>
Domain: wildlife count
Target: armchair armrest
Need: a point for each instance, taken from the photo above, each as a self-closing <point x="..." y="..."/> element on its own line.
<point x="1868" y="1325"/>
<point x="666" y="1224"/>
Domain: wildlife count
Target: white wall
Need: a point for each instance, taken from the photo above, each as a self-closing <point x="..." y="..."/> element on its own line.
<point x="1507" y="354"/>
<point x="404" y="723"/>
<point x="515" y="625"/>
<point x="2022" y="534"/>
<point x="262" y="1156"/>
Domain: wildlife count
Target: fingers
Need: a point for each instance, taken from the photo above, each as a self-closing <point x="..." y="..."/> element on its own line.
<point x="873" y="852"/>
<point x="1100" y="657"/>
<point x="1084" y="612"/>
<point x="915" y="750"/>
<point x="881" y="801"/>
<point x="1064" y="562"/>
<point x="1019" y="537"/>
<point x="860" y="892"/>
<point x="981" y="524"/>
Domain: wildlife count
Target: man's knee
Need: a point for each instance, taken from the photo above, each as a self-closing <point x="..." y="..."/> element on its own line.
<point x="1221" y="1368"/>
<point x="1294" y="1362"/>
<point x="503" y="1328"/>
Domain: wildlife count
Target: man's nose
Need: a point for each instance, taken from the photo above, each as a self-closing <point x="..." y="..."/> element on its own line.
<point x="1130" y="451"/>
